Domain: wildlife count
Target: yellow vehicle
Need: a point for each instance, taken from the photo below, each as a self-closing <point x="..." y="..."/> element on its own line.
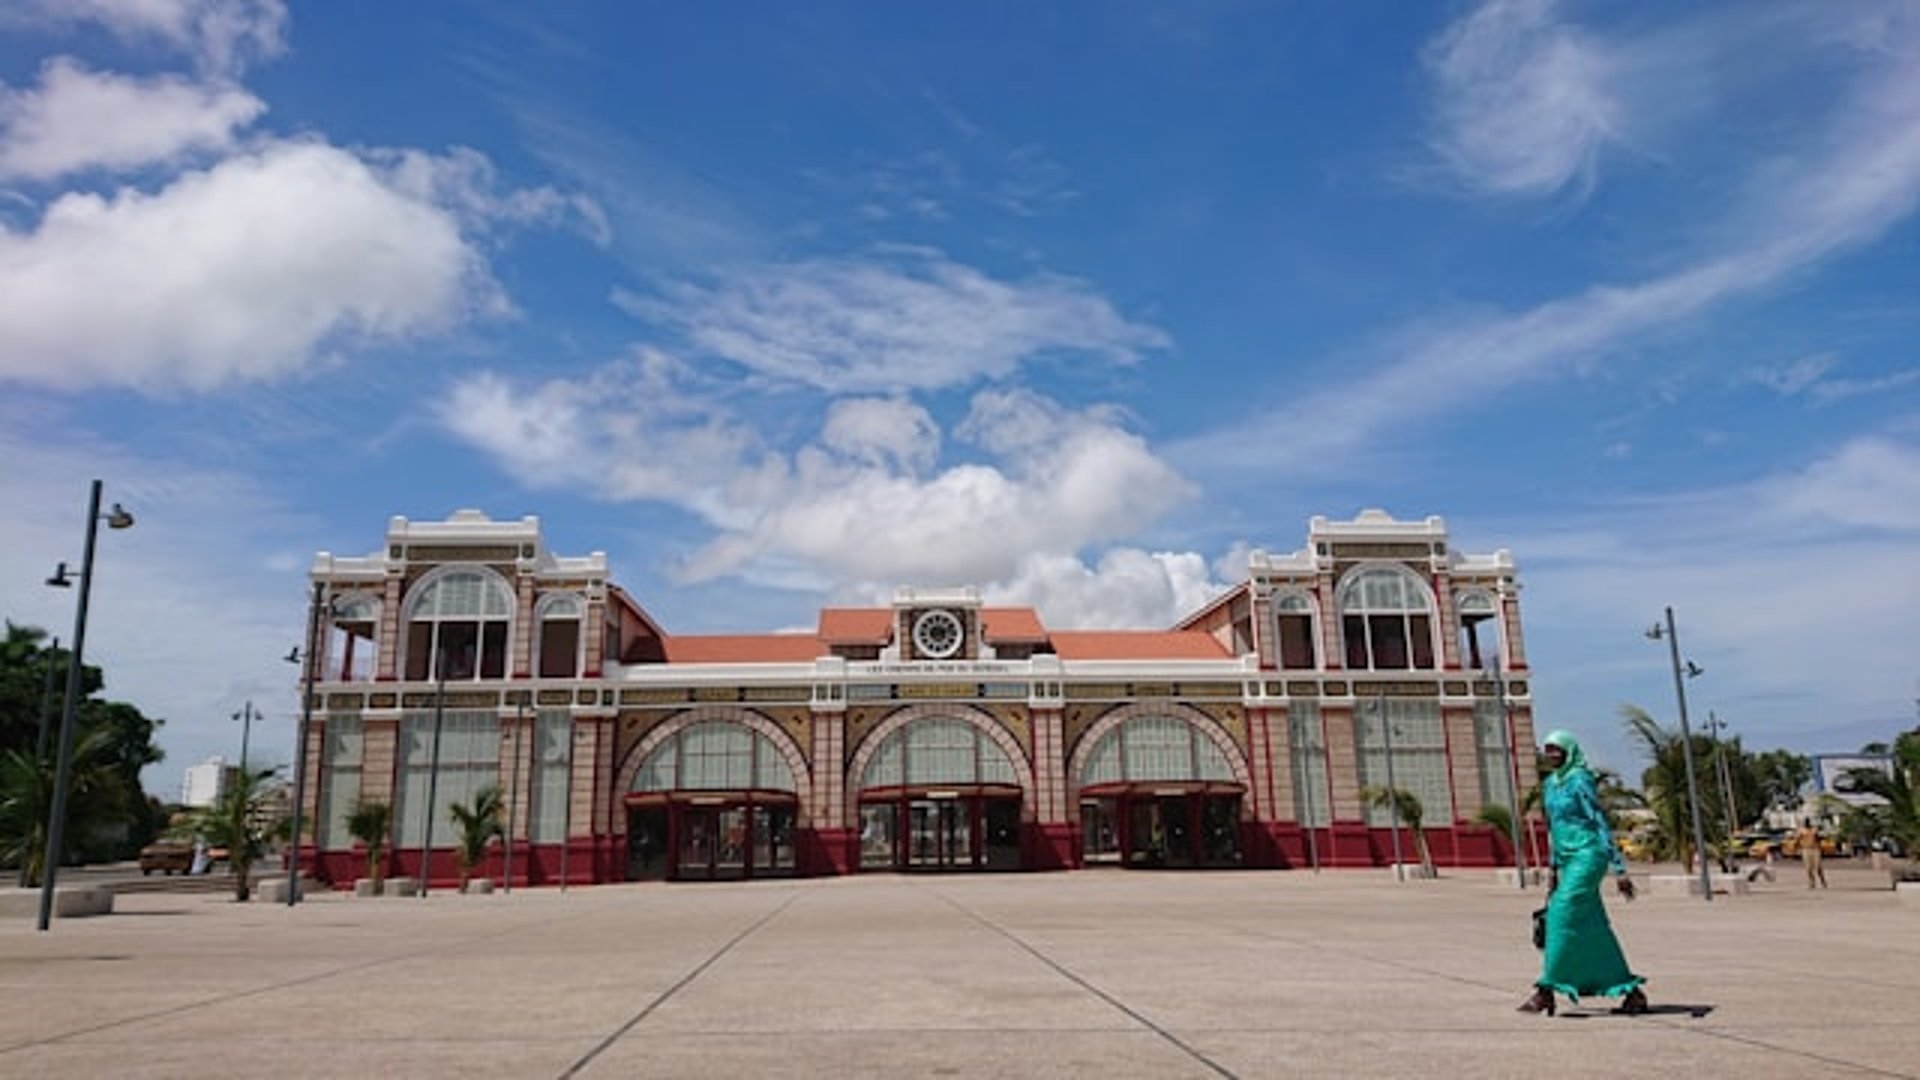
<point x="1790" y="845"/>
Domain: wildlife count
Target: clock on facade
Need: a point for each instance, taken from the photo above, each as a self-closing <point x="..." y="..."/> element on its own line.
<point x="937" y="634"/>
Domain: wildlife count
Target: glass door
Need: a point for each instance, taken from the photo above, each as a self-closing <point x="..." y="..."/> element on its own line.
<point x="697" y="829"/>
<point x="1177" y="817"/>
<point x="1000" y="826"/>
<point x="1220" y="830"/>
<point x="1100" y="830"/>
<point x="879" y="833"/>
<point x="730" y="842"/>
<point x="939" y="834"/>
<point x="773" y="839"/>
<point x="647" y="843"/>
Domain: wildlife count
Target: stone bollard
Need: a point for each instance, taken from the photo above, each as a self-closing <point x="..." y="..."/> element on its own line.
<point x="1410" y="872"/>
<point x="1689" y="885"/>
<point x="478" y="887"/>
<point x="69" y="902"/>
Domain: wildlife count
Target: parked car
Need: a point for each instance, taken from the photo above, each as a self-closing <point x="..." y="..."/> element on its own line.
<point x="168" y="856"/>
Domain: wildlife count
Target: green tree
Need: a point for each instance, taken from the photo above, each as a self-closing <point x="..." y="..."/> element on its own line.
<point x="242" y="821"/>
<point x="371" y="822"/>
<point x="1779" y="776"/>
<point x="1900" y="817"/>
<point x="109" y="816"/>
<point x="477" y="826"/>
<point x="1407" y="805"/>
<point x="95" y="800"/>
<point x="1664" y="783"/>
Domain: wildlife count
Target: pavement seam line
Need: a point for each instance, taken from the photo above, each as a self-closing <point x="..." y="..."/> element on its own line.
<point x="621" y="1031"/>
<point x="1087" y="986"/>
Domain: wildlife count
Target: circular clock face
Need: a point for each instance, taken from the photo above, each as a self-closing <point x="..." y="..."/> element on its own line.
<point x="937" y="634"/>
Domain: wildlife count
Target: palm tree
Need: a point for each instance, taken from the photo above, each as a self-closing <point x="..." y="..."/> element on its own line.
<point x="1900" y="787"/>
<point x="240" y="820"/>
<point x="1665" y="784"/>
<point x="1407" y="805"/>
<point x="477" y="826"/>
<point x="94" y="800"/>
<point x="371" y="822"/>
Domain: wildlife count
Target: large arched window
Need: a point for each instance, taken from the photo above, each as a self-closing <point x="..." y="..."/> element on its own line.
<point x="1386" y="618"/>
<point x="714" y="755"/>
<point x="1148" y="748"/>
<point x="462" y="617"/>
<point x="1293" y="623"/>
<point x="558" y="621"/>
<point x="938" y="750"/>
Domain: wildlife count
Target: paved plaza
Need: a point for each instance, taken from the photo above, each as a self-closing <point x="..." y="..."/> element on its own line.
<point x="1095" y="973"/>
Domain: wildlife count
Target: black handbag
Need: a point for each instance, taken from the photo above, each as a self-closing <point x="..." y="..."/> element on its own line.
<point x="1540" y="928"/>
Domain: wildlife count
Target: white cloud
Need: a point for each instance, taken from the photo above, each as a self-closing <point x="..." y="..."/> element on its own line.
<point x="1857" y="179"/>
<point x="78" y="119"/>
<point x="1795" y="591"/>
<point x="862" y="503"/>
<point x="920" y="321"/>
<point x="1524" y="106"/>
<point x="186" y="617"/>
<point x="1128" y="588"/>
<point x="239" y="271"/>
<point x="1791" y="378"/>
<point x="465" y="181"/>
<point x="222" y="36"/>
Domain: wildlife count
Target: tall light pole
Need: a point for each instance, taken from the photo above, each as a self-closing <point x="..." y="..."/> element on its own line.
<point x="40" y="740"/>
<point x="246" y="716"/>
<point x="1513" y="770"/>
<point x="312" y="661"/>
<point x="1680" y="677"/>
<point x="1393" y="792"/>
<point x="513" y="790"/>
<point x="1714" y="724"/>
<point x="117" y="518"/>
<point x="433" y="767"/>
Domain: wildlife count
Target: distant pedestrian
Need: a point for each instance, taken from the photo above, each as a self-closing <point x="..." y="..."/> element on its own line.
<point x="1809" y="840"/>
<point x="1582" y="955"/>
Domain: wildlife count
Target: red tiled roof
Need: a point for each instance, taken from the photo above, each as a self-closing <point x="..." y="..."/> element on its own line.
<point x="743" y="648"/>
<point x="1012" y="624"/>
<point x="1136" y="645"/>
<point x="856" y="626"/>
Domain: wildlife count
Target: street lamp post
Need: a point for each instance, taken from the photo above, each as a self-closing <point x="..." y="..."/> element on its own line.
<point x="513" y="790"/>
<point x="1714" y="724"/>
<point x="117" y="518"/>
<point x="1680" y="676"/>
<point x="1393" y="792"/>
<point x="246" y="716"/>
<point x="433" y="768"/>
<point x="1513" y="771"/>
<point x="312" y="662"/>
<point x="40" y="739"/>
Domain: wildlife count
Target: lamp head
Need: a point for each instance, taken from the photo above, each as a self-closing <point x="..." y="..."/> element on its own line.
<point x="60" y="580"/>
<point x="1656" y="632"/>
<point x="118" y="518"/>
<point x="1694" y="670"/>
<point x="293" y="655"/>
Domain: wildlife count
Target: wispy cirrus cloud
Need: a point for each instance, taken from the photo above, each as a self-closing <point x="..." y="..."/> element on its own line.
<point x="222" y="36"/>
<point x="901" y="319"/>
<point x="1841" y="188"/>
<point x="1524" y="102"/>
<point x="79" y="119"/>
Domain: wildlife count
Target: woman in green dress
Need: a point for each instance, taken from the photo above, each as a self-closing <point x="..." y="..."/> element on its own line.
<point x="1582" y="955"/>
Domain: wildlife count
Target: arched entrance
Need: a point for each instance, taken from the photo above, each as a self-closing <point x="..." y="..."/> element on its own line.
<point x="1159" y="791"/>
<point x="938" y="792"/>
<point x="711" y="799"/>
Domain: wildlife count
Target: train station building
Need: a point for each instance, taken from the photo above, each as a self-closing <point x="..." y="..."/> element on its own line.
<point x="936" y="733"/>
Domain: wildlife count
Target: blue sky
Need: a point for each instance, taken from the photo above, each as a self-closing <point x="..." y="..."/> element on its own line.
<point x="784" y="305"/>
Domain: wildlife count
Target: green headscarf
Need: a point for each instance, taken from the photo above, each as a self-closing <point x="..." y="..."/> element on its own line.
<point x="1576" y="759"/>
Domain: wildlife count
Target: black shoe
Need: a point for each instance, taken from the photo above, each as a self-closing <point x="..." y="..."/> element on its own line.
<point x="1541" y="1001"/>
<point x="1634" y="1004"/>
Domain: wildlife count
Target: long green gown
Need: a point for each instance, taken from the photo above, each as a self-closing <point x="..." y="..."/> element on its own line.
<point x="1582" y="955"/>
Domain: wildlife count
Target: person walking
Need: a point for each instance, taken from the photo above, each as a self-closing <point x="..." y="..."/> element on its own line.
<point x="1809" y="840"/>
<point x="1581" y="954"/>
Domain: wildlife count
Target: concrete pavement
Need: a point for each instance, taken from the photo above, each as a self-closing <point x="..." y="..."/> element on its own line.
<point x="1095" y="973"/>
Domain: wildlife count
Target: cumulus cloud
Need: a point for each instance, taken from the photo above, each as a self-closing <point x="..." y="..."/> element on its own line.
<point x="900" y="320"/>
<point x="1523" y="104"/>
<point x="860" y="501"/>
<point x="1125" y="588"/>
<point x="465" y="181"/>
<point x="240" y="271"/>
<point x="78" y="119"/>
<point x="221" y="36"/>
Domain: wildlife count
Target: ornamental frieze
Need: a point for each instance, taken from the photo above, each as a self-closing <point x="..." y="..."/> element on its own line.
<point x="1395" y="689"/>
